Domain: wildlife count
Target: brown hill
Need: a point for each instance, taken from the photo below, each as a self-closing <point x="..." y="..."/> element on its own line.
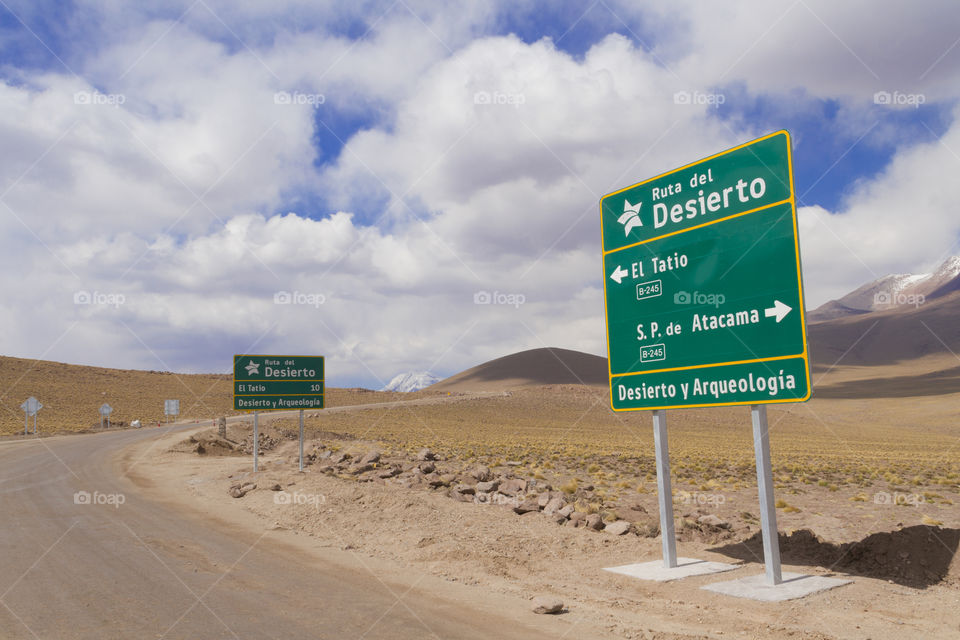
<point x="72" y="394"/>
<point x="534" y="367"/>
<point x="889" y="337"/>
<point x="893" y="291"/>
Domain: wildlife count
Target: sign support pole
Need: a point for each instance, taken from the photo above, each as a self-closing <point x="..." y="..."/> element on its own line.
<point x="256" y="439"/>
<point x="26" y="422"/>
<point x="768" y="511"/>
<point x="301" y="439"/>
<point x="35" y="423"/>
<point x="668" y="537"/>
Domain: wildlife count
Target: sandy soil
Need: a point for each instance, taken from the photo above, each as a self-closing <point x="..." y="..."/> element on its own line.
<point x="905" y="581"/>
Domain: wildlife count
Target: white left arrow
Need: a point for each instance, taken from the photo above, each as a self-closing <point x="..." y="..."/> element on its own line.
<point x="779" y="310"/>
<point x="618" y="274"/>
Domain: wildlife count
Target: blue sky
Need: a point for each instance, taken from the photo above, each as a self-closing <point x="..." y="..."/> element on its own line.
<point x="154" y="160"/>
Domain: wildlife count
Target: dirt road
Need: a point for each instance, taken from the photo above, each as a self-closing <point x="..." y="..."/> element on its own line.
<point x="83" y="554"/>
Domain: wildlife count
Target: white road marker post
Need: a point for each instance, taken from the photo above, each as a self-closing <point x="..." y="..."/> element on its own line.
<point x="301" y="439"/>
<point x="768" y="510"/>
<point x="668" y="537"/>
<point x="256" y="440"/>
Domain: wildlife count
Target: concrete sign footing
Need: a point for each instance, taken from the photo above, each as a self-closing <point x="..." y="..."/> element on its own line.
<point x="794" y="585"/>
<point x="686" y="567"/>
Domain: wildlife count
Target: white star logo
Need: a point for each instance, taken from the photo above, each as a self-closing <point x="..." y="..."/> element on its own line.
<point x="631" y="216"/>
<point x="253" y="368"/>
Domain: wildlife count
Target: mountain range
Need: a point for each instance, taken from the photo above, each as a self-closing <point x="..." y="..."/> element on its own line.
<point x="893" y="291"/>
<point x="411" y="381"/>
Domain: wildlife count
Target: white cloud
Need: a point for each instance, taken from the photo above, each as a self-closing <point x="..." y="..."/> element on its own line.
<point x="497" y="197"/>
<point x="903" y="221"/>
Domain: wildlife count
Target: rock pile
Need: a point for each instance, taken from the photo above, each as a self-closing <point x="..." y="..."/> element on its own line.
<point x="477" y="484"/>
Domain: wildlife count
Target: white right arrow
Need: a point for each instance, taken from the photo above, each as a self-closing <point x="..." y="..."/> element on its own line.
<point x="778" y="309"/>
<point x="618" y="274"/>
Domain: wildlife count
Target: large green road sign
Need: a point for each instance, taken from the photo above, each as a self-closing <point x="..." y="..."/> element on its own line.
<point x="702" y="284"/>
<point x="275" y="383"/>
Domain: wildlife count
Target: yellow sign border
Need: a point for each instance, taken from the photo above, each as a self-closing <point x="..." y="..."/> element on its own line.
<point x="796" y="243"/>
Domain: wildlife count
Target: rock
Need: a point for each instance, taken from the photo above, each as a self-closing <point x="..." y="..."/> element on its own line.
<point x="448" y="479"/>
<point x="547" y="604"/>
<point x="543" y="499"/>
<point x="489" y="486"/>
<point x="464" y="489"/>
<point x="481" y="473"/>
<point x="434" y="480"/>
<point x="359" y="468"/>
<point x="618" y="528"/>
<point x="528" y="505"/>
<point x="513" y="486"/>
<point x="276" y="487"/>
<point x="577" y="515"/>
<point x="242" y="489"/>
<point x="559" y="519"/>
<point x="572" y="523"/>
<point x="553" y="507"/>
<point x="713" y="521"/>
<point x="426" y="454"/>
<point x="389" y="472"/>
<point x="370" y="458"/>
<point x="339" y="458"/>
<point x="566" y="511"/>
<point x="593" y="521"/>
<point x="427" y="468"/>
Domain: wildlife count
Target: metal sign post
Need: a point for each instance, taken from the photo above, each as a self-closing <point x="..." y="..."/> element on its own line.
<point x="277" y="383"/>
<point x="704" y="304"/>
<point x="301" y="439"/>
<point x="256" y="439"/>
<point x="171" y="408"/>
<point x="768" y="510"/>
<point x="668" y="537"/>
<point x="105" y="411"/>
<point x="30" y="408"/>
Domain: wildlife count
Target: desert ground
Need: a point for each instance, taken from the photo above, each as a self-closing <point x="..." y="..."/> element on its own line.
<point x="493" y="488"/>
<point x="858" y="495"/>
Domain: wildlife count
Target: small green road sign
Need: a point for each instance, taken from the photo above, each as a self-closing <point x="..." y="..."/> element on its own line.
<point x="277" y="383"/>
<point x="702" y="284"/>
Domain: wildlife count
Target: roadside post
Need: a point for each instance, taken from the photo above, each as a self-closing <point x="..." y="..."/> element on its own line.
<point x="31" y="407"/>
<point x="277" y="383"/>
<point x="105" y="411"/>
<point x="171" y="408"/>
<point x="704" y="307"/>
<point x="668" y="537"/>
<point x="301" y="439"/>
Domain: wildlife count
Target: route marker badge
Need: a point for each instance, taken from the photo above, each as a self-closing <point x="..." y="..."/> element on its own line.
<point x="702" y="284"/>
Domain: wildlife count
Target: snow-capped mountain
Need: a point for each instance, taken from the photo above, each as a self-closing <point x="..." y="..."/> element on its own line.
<point x="411" y="381"/>
<point x="896" y="290"/>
